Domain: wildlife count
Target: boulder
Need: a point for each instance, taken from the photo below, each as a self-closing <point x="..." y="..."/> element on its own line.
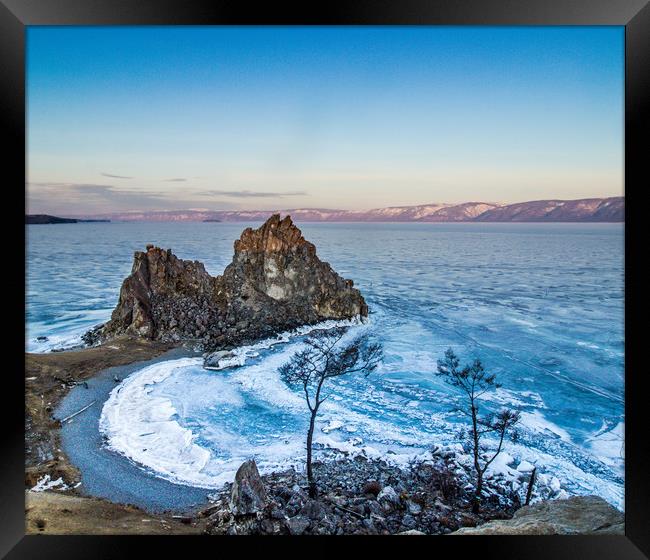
<point x="212" y="359"/>
<point x="275" y="282"/>
<point x="248" y="493"/>
<point x="313" y="510"/>
<point x="297" y="525"/>
<point x="413" y="507"/>
<point x="93" y="336"/>
<point x="579" y="515"/>
<point x="389" y="496"/>
<point x="408" y="522"/>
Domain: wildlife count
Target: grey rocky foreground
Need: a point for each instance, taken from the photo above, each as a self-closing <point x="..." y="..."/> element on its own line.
<point x="356" y="496"/>
<point x="275" y="283"/>
<point x="364" y="496"/>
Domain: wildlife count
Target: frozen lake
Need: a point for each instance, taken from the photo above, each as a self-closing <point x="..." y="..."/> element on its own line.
<point x="540" y="304"/>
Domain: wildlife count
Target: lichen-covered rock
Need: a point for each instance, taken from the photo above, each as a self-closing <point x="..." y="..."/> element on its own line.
<point x="579" y="515"/>
<point x="275" y="282"/>
<point x="248" y="492"/>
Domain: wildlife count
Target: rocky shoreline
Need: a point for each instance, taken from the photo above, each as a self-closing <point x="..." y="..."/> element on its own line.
<point x="358" y="495"/>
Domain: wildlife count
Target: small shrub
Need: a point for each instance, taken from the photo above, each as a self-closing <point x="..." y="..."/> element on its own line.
<point x="445" y="480"/>
<point x="372" y="487"/>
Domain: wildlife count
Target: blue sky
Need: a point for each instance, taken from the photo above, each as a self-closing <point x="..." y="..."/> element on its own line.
<point x="151" y="118"/>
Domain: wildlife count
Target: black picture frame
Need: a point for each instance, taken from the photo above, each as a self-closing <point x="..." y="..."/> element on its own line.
<point x="15" y="15"/>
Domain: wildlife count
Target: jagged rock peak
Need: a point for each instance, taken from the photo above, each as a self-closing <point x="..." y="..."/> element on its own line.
<point x="160" y="295"/>
<point x="274" y="283"/>
<point x="274" y="236"/>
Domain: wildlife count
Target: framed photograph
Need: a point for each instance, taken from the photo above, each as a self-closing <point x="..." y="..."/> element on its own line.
<point x="363" y="270"/>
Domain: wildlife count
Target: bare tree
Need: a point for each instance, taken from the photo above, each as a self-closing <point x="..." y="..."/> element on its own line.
<point x="326" y="356"/>
<point x="474" y="382"/>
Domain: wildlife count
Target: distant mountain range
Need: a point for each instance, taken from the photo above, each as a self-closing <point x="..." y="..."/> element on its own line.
<point x="583" y="210"/>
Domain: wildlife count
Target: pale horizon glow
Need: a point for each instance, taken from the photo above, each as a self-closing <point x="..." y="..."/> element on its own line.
<point x="176" y="118"/>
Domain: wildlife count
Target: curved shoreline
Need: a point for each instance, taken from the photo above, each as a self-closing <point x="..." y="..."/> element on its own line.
<point x="105" y="473"/>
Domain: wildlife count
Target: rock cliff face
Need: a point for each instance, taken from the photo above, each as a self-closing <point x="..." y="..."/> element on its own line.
<point x="275" y="282"/>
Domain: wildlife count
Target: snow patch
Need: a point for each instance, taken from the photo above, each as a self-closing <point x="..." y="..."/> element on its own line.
<point x="46" y="483"/>
<point x="536" y="422"/>
<point x="332" y="425"/>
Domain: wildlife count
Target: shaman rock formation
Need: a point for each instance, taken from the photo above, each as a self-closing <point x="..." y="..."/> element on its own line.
<point x="275" y="282"/>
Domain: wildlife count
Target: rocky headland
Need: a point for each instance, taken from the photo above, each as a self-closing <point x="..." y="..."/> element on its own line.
<point x="275" y="283"/>
<point x="47" y="219"/>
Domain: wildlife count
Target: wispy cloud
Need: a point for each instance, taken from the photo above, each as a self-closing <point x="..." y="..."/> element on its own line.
<point x="175" y="180"/>
<point x="115" y="176"/>
<point x="90" y="198"/>
<point x="70" y="198"/>
<point x="61" y="198"/>
<point x="250" y="194"/>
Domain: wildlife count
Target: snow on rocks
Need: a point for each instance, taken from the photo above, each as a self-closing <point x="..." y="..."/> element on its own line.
<point x="525" y="467"/>
<point x="46" y="483"/>
<point x="218" y="359"/>
<point x="333" y="425"/>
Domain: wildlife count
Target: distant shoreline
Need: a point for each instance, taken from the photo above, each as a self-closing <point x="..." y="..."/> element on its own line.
<point x="252" y="220"/>
<point x="46" y="219"/>
<point x="586" y="210"/>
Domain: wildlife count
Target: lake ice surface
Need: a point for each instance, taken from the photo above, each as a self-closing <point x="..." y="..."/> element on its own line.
<point x="540" y="304"/>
